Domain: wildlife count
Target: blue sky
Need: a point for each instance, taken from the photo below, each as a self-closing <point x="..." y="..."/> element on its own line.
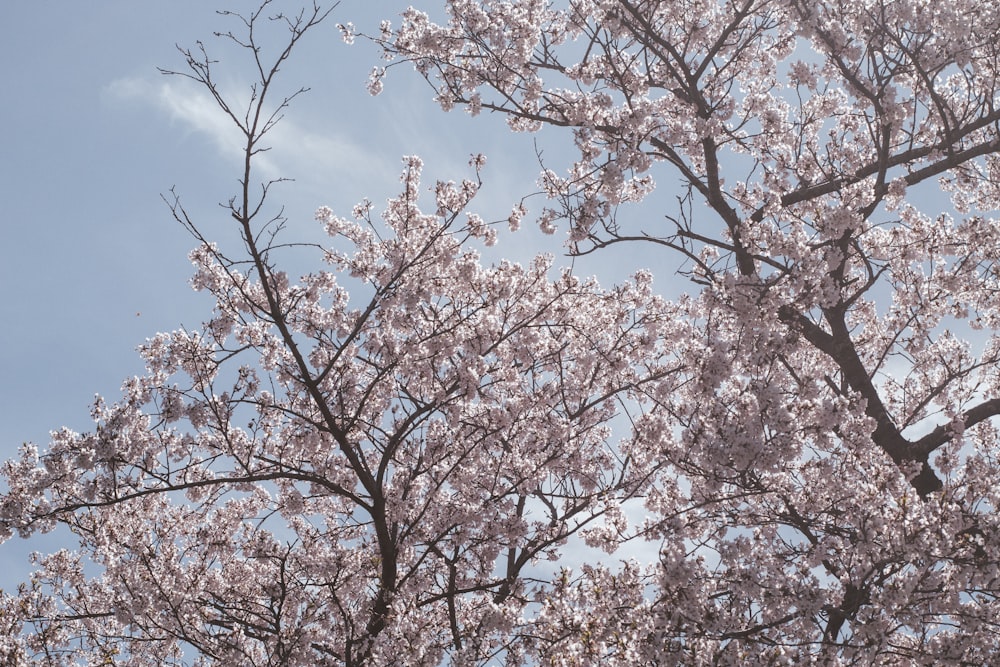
<point x="92" y="262"/>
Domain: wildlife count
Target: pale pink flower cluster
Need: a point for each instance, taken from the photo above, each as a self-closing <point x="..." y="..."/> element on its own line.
<point x="397" y="460"/>
<point x="839" y="187"/>
<point x="407" y="458"/>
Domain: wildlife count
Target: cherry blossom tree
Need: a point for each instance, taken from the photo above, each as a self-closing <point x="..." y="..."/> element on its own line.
<point x="371" y="464"/>
<point x="833" y="452"/>
<point x="393" y="459"/>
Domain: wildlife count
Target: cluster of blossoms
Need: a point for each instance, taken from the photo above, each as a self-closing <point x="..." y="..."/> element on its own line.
<point x="321" y="479"/>
<point x="381" y="462"/>
<point x="838" y="170"/>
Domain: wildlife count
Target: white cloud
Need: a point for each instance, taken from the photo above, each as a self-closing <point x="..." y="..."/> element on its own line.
<point x="315" y="160"/>
<point x="321" y="160"/>
<point x="194" y="109"/>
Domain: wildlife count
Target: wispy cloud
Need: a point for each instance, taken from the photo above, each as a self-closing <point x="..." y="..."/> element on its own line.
<point x="192" y="108"/>
<point x="319" y="159"/>
<point x="314" y="159"/>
